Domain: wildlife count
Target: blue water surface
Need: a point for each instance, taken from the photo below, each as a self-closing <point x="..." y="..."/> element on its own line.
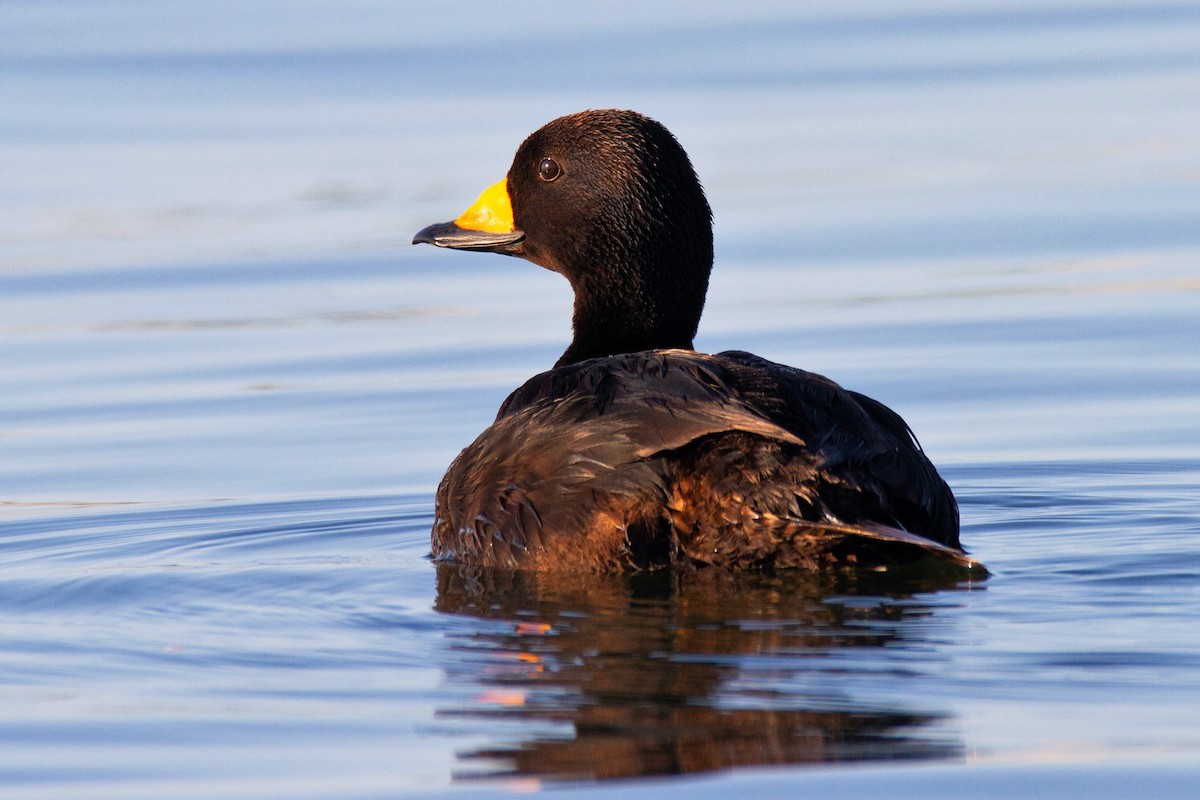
<point x="229" y="386"/>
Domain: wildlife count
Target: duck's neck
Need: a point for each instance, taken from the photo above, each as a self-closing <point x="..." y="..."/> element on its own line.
<point x="598" y="340"/>
<point x="643" y="292"/>
<point x="606" y="323"/>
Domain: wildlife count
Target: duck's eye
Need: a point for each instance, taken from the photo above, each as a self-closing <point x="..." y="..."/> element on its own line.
<point x="549" y="169"/>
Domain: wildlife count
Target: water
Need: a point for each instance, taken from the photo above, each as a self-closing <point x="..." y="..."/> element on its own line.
<point x="229" y="387"/>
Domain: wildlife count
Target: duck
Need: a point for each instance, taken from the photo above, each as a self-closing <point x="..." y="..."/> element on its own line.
<point x="636" y="452"/>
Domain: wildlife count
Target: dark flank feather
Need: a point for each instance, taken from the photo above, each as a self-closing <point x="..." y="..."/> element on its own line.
<point x="673" y="456"/>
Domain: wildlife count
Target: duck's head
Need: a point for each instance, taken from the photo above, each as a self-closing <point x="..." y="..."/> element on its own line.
<point x="609" y="200"/>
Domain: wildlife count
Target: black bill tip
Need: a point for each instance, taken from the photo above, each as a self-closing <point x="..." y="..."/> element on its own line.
<point x="449" y="234"/>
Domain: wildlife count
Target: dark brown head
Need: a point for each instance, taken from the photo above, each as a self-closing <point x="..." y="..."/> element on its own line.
<point x="609" y="200"/>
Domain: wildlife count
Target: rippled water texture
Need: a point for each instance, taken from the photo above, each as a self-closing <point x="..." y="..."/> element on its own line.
<point x="229" y="388"/>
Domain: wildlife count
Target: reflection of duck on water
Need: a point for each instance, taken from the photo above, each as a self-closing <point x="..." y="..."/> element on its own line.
<point x="635" y="451"/>
<point x="669" y="672"/>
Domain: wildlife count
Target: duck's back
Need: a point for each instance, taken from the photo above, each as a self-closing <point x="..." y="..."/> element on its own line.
<point x="668" y="456"/>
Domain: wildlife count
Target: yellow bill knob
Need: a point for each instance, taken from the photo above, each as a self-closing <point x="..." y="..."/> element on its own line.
<point x="491" y="213"/>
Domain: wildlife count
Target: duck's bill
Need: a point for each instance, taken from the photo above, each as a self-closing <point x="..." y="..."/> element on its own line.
<point x="486" y="226"/>
<point x="449" y="234"/>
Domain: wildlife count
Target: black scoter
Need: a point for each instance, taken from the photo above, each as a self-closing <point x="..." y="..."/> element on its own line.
<point x="637" y="452"/>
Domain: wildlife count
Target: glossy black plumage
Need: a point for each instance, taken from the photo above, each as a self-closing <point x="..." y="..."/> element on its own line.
<point x="636" y="452"/>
